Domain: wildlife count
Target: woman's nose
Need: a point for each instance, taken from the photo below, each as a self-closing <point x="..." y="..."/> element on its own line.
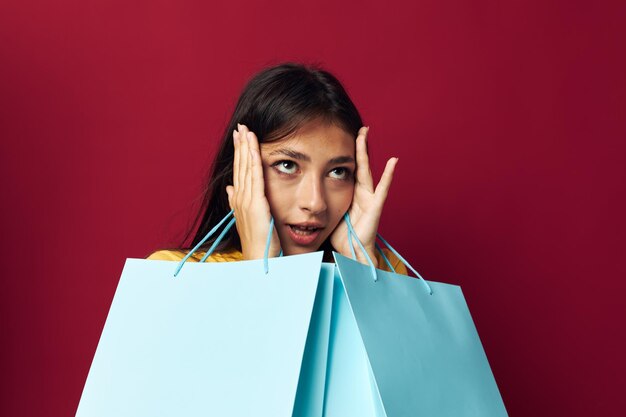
<point x="311" y="195"/>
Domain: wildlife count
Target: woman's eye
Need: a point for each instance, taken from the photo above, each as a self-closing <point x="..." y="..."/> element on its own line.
<point x="340" y="173"/>
<point x="287" y="167"/>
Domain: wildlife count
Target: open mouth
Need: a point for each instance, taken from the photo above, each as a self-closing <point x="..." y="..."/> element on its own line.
<point x="303" y="235"/>
<point x="303" y="230"/>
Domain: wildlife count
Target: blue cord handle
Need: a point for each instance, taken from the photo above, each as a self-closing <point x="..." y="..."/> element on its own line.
<point x="379" y="249"/>
<point x="405" y="262"/>
<point x="351" y="233"/>
<point x="204" y="239"/>
<point x="219" y="239"/>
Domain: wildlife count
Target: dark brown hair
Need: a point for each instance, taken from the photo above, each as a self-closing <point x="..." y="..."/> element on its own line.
<point x="274" y="104"/>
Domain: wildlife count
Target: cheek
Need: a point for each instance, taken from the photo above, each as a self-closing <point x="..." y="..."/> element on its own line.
<point x="340" y="201"/>
<point x="275" y="193"/>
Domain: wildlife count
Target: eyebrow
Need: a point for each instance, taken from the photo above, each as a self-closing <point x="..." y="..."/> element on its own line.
<point x="302" y="157"/>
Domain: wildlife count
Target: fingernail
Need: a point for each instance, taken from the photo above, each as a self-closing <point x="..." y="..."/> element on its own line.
<point x="238" y="126"/>
<point x="249" y="136"/>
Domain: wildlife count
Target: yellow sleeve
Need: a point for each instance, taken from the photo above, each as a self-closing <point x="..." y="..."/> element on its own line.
<point x="178" y="255"/>
<point x="167" y="255"/>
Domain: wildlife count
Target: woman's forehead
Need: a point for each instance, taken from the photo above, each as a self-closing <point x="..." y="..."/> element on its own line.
<point x="314" y="140"/>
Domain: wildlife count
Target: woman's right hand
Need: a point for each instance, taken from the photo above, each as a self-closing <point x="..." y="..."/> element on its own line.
<point x="247" y="197"/>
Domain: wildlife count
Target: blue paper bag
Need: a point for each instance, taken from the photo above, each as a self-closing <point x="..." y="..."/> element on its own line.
<point x="287" y="336"/>
<point x="220" y="339"/>
<point x="312" y="382"/>
<point x="398" y="350"/>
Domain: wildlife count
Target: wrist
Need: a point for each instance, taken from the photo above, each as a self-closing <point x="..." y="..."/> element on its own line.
<point x="371" y="252"/>
<point x="258" y="252"/>
<point x="250" y="253"/>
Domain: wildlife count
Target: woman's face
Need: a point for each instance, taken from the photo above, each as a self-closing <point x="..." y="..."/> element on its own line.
<point x="309" y="184"/>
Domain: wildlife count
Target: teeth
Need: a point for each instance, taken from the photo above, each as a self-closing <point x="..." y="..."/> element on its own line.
<point x="303" y="230"/>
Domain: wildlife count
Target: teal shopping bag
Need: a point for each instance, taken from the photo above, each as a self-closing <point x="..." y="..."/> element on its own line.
<point x="220" y="339"/>
<point x="350" y="389"/>
<point x="421" y="351"/>
<point x="404" y="347"/>
<point x="312" y="381"/>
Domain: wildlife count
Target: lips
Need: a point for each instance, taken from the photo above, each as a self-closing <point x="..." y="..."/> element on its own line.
<point x="304" y="233"/>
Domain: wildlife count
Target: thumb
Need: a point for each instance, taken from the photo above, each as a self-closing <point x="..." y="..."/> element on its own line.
<point x="230" y="190"/>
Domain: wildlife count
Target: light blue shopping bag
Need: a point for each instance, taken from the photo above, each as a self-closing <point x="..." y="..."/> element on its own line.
<point x="288" y="336"/>
<point x="404" y="347"/>
<point x="219" y="339"/>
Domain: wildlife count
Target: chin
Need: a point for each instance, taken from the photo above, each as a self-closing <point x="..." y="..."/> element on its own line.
<point x="299" y="251"/>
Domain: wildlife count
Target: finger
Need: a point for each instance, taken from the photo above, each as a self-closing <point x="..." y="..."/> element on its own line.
<point x="363" y="172"/>
<point x="236" y="139"/>
<point x="258" y="186"/>
<point x="248" y="178"/>
<point x="382" y="189"/>
<point x="244" y="155"/>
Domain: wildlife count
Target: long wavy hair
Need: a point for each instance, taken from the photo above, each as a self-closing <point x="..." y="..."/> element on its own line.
<point x="274" y="104"/>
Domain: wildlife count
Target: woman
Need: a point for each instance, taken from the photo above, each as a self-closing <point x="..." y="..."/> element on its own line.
<point x="289" y="153"/>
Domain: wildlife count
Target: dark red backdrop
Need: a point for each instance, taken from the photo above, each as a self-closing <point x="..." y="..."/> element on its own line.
<point x="508" y="118"/>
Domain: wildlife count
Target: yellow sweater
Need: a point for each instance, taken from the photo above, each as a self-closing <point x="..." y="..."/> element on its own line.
<point x="235" y="255"/>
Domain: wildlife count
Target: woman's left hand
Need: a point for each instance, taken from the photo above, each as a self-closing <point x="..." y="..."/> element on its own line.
<point x="367" y="204"/>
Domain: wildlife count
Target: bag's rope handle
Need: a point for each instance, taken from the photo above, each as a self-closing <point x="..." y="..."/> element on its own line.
<point x="406" y="263"/>
<point x="379" y="249"/>
<point x="204" y="239"/>
<point x="219" y="239"/>
<point x="352" y="233"/>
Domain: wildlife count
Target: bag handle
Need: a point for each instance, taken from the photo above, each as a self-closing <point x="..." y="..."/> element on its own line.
<point x="352" y="233"/>
<point x="219" y="239"/>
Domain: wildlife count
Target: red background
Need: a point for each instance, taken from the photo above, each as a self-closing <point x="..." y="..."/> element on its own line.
<point x="508" y="118"/>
